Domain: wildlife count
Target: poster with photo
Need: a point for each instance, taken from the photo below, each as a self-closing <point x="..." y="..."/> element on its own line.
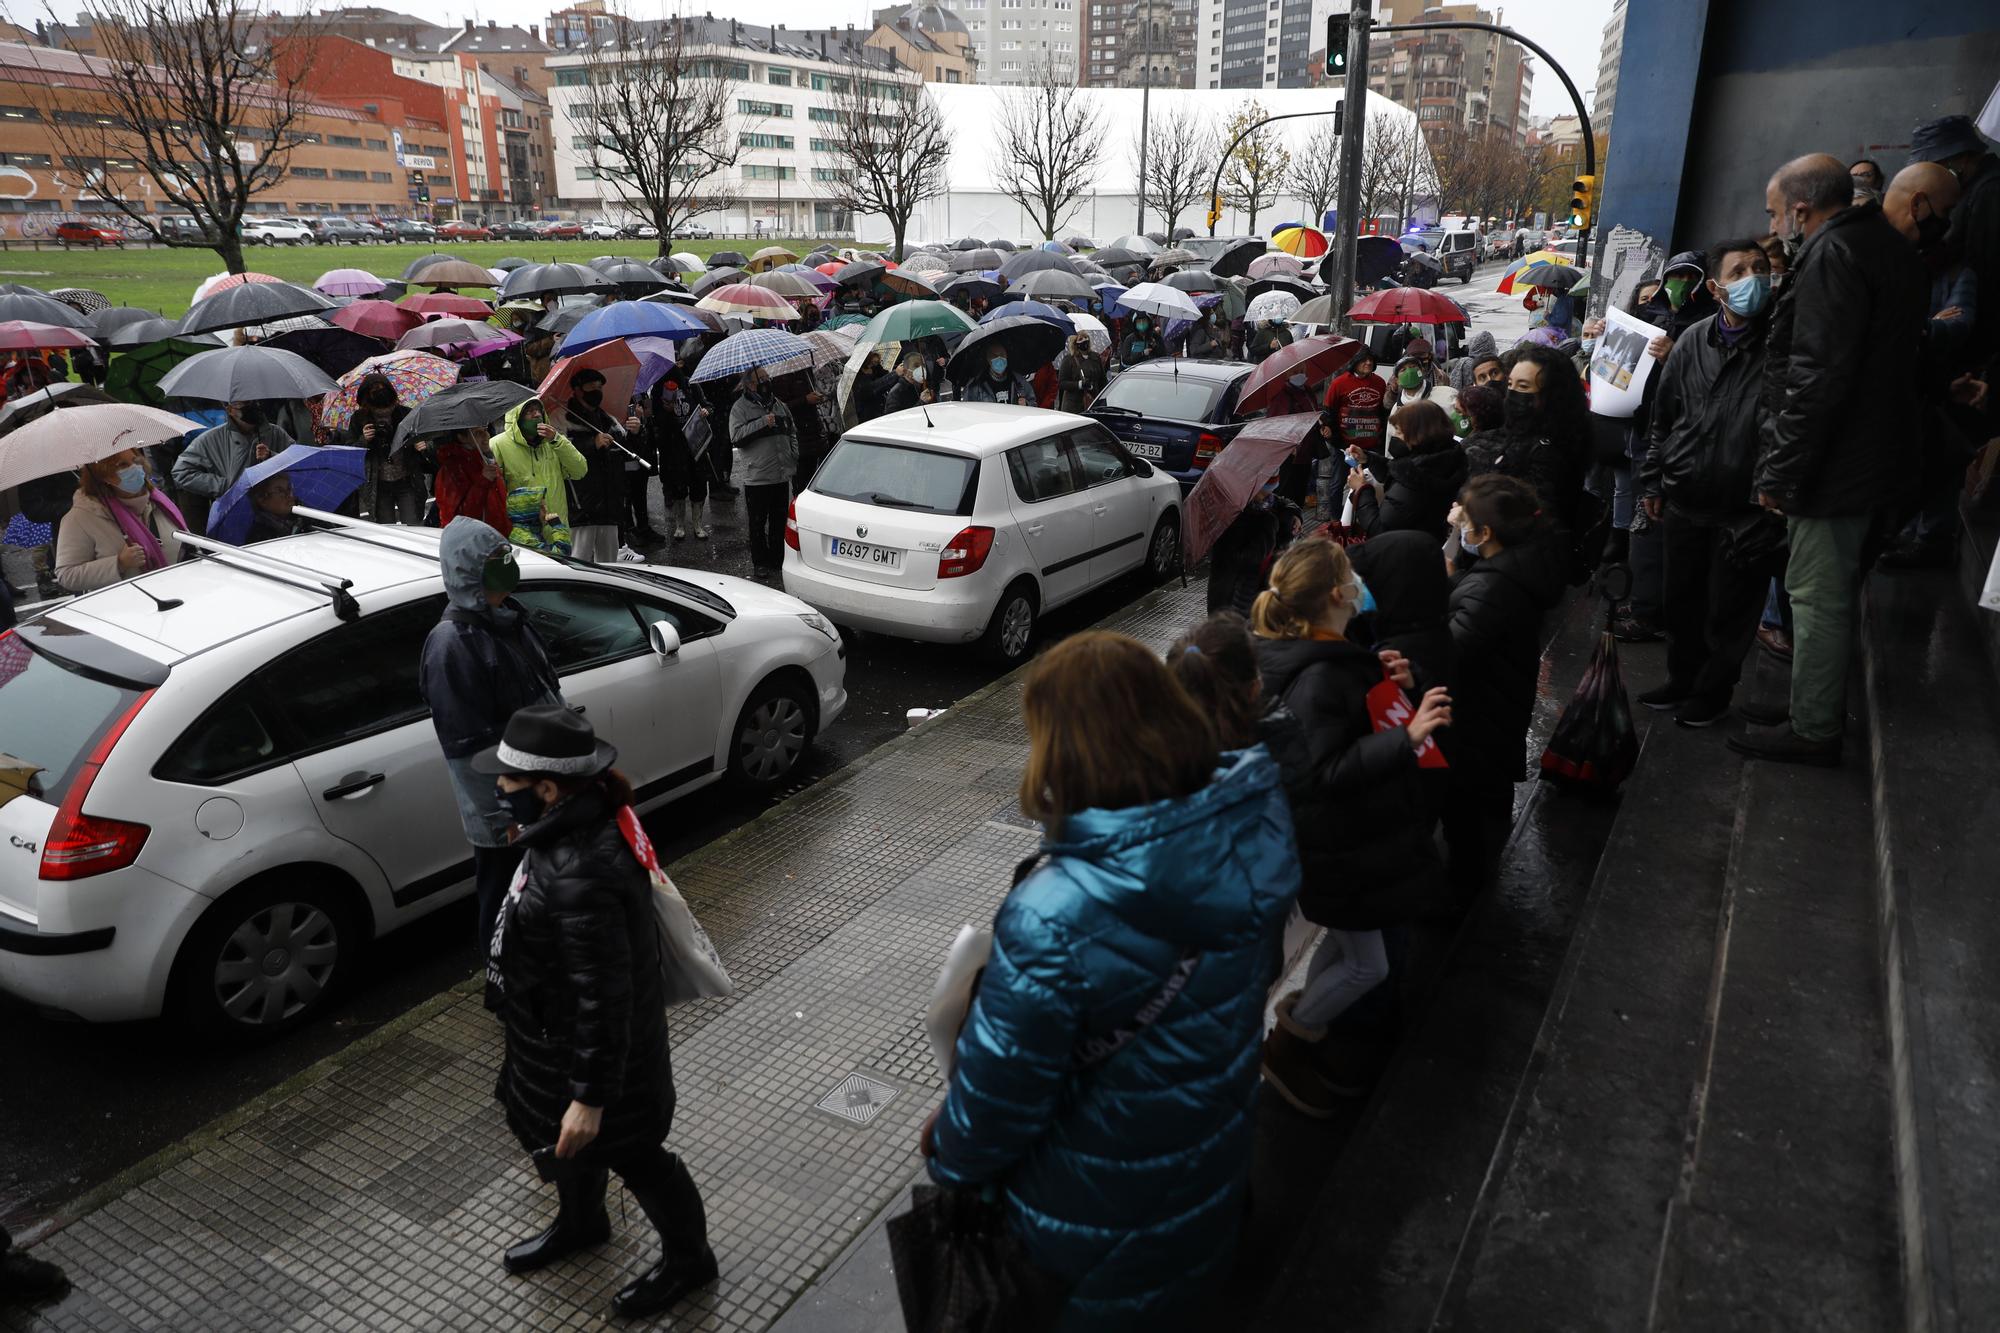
<point x="1620" y="365"/>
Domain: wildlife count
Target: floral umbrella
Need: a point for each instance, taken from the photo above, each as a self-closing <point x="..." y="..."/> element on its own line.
<point x="414" y="375"/>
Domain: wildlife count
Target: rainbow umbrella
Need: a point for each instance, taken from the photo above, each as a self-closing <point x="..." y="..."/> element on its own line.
<point x="1506" y="287"/>
<point x="1301" y="241"/>
<point x="414" y="375"/>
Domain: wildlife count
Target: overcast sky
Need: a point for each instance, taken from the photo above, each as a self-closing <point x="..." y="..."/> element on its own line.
<point x="1570" y="29"/>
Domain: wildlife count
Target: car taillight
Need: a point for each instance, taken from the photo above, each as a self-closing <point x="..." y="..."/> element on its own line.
<point x="792" y="525"/>
<point x="80" y="845"/>
<point x="965" y="553"/>
<point x="1206" y="446"/>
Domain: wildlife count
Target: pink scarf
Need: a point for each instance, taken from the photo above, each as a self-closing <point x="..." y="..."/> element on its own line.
<point x="140" y="533"/>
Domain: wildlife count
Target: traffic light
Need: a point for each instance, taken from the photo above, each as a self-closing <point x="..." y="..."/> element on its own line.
<point x="1582" y="201"/>
<point x="1336" y="45"/>
<point x="1214" y="211"/>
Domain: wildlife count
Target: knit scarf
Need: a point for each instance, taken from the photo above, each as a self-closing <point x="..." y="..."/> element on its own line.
<point x="139" y="532"/>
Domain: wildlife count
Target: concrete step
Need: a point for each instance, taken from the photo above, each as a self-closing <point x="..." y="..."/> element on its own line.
<point x="1936" y="773"/>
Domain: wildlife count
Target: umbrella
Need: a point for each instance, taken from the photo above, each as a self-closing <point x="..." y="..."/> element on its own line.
<point x="334" y="350"/>
<point x="444" y="333"/>
<point x="1406" y="305"/>
<point x="1303" y="241"/>
<point x="20" y="335"/>
<point x="560" y="322"/>
<point x="740" y="298"/>
<point x="64" y="441"/>
<point x="113" y="318"/>
<point x="81" y="299"/>
<point x="1183" y="233"/>
<point x="928" y="263"/>
<point x="685" y="262"/>
<point x="1034" y="261"/>
<point x="821" y="283"/>
<point x="1032" y="310"/>
<point x="348" y="282"/>
<point x="1052" y="284"/>
<point x="629" y="273"/>
<point x="1276" y="307"/>
<point x="422" y="262"/>
<point x="1058" y="247"/>
<point x="1193" y="280"/>
<point x="553" y="280"/>
<point x="377" y="319"/>
<point x="788" y="285"/>
<point x="830" y="267"/>
<point x="1132" y="245"/>
<point x="1506" y="284"/>
<point x="222" y="282"/>
<point x="862" y="270"/>
<point x="1264" y="266"/>
<point x="973" y="261"/>
<point x="844" y="322"/>
<point x="1175" y="256"/>
<point x="630" y="319"/>
<point x="1237" y="257"/>
<point x="914" y="286"/>
<point x="322" y="478"/>
<point x="467" y="405"/>
<point x="499" y="340"/>
<point x="450" y="273"/>
<point x="1238" y="472"/>
<point x="830" y="345"/>
<point x="1542" y="335"/>
<point x="134" y="376"/>
<point x="656" y="358"/>
<point x="1559" y="277"/>
<point x="1319" y="310"/>
<point x="1319" y="359"/>
<point x="721" y="277"/>
<point x="1278" y="282"/>
<point x="1030" y="344"/>
<point x="242" y="374"/>
<point x="728" y="259"/>
<point x="1155" y="298"/>
<point x="1100" y="336"/>
<point x="770" y="257"/>
<point x="1116" y="254"/>
<point x="447" y="303"/>
<point x="415" y="376"/>
<point x="1008" y="246"/>
<point x="968" y="243"/>
<point x="972" y="286"/>
<point x="25" y="407"/>
<point x="613" y="360"/>
<point x="252" y="303"/>
<point x="916" y="319"/>
<point x="34" y="308"/>
<point x="750" y="349"/>
<point x="1080" y="242"/>
<point x="512" y="262"/>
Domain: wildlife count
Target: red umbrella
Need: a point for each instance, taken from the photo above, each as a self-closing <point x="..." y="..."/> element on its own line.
<point x="1406" y="305"/>
<point x="377" y="319"/>
<point x="831" y="267"/>
<point x="614" y="360"/>
<point x="1318" y="358"/>
<point x="447" y="303"/>
<point x="1245" y="464"/>
<point x="20" y="335"/>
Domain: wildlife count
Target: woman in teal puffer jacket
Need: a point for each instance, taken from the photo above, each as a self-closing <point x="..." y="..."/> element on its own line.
<point x="1125" y="1180"/>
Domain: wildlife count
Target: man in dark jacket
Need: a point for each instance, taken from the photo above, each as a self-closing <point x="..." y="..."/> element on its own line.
<point x="481" y="662"/>
<point x="1840" y="386"/>
<point x="1721" y="549"/>
<point x="1954" y="143"/>
<point x="908" y="385"/>
<point x="603" y="433"/>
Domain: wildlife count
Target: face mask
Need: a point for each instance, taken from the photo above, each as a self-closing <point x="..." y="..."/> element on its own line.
<point x="523" y="805"/>
<point x="1142" y="325"/>
<point x="1589" y="346"/>
<point x="1297" y="381"/>
<point x="1677" y="291"/>
<point x="1409" y="377"/>
<point x="252" y="417"/>
<point x="1522" y="407"/>
<point x="132" y="479"/>
<point x="998" y="365"/>
<point x="1364" y="596"/>
<point x="1465" y="542"/>
<point x="593" y="397"/>
<point x="1792" y="238"/>
<point x="917" y="374"/>
<point x="501" y="575"/>
<point x="1931" y="230"/>
<point x="529" y="427"/>
<point x="1747" y="295"/>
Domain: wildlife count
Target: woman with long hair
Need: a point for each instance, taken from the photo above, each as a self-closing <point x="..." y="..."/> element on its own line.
<point x="1107" y="1072"/>
<point x="1546" y="438"/>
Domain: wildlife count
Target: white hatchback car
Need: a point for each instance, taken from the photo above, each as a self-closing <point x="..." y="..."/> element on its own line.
<point x="599" y="230"/>
<point x="964" y="521"/>
<point x="277" y="231"/>
<point x="219" y="779"/>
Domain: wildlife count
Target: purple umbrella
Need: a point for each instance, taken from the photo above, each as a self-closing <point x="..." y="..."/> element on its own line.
<point x="1245" y="464"/>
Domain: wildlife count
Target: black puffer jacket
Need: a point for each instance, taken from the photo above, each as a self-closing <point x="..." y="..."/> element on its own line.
<point x="1556" y="473"/>
<point x="1366" y="859"/>
<point x="1705" y="429"/>
<point x="1405" y="571"/>
<point x="580" y="957"/>
<point x="598" y="496"/>
<point x="1497" y="608"/>
<point x="1418" y="493"/>
<point x="1841" y="376"/>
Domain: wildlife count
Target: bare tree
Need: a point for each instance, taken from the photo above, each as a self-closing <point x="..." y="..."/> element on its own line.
<point x="659" y="123"/>
<point x="1314" y="177"/>
<point x="200" y="101"/>
<point x="1052" y="145"/>
<point x="891" y="143"/>
<point x="1394" y="167"/>
<point x="1180" y="162"/>
<point x="1256" y="167"/>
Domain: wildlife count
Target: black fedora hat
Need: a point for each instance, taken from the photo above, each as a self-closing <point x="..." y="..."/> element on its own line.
<point x="547" y="739"/>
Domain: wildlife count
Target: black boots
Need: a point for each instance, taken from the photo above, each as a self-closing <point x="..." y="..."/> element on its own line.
<point x="667" y="1193"/>
<point x="581" y="1222"/>
<point x="665" y="1284"/>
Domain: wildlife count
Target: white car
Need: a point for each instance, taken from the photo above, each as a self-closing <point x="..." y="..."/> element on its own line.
<point x="967" y="521"/>
<point x="219" y="780"/>
<point x="273" y="231"/>
<point x="694" y="231"/>
<point x="600" y="230"/>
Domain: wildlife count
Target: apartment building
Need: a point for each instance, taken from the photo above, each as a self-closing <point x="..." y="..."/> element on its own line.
<point x="1022" y="41"/>
<point x="1456" y="80"/>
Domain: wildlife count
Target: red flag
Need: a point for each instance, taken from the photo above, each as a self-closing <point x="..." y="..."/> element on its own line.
<point x="1389" y="707"/>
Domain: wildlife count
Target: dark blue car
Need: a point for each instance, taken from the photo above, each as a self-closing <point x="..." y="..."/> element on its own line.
<point x="1176" y="413"/>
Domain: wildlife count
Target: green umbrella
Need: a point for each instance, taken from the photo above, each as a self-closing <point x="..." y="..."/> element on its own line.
<point x="134" y="376"/>
<point x="916" y="319"/>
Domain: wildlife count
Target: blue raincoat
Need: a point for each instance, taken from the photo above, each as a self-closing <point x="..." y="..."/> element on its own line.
<point x="1126" y="1180"/>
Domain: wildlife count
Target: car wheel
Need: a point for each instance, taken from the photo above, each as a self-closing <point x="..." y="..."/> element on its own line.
<point x="1011" y="631"/>
<point x="771" y="734"/>
<point x="1163" y="557"/>
<point x="268" y="960"/>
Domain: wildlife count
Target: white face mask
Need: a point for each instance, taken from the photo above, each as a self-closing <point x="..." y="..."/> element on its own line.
<point x="1465" y="541"/>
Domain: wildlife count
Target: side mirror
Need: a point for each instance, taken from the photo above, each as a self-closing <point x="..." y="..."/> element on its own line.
<point x="1142" y="467"/>
<point x="665" y="640"/>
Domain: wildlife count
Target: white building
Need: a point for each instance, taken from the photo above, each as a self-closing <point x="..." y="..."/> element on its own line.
<point x="1015" y="39"/>
<point x="1610" y="51"/>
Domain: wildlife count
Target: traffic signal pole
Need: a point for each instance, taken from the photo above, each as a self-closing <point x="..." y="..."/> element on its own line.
<point x="1354" y="97"/>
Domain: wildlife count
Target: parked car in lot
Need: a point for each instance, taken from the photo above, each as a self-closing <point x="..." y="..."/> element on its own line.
<point x="222" y="801"/>
<point x="513" y="231"/>
<point x="558" y="231"/>
<point x="1175" y="413"/>
<point x="276" y="231"/>
<point x="968" y="521"/>
<point x="1457" y="252"/>
<point x="87" y="233"/>
<point x="342" y="231"/>
<point x="639" y="231"/>
<point x="410" y="229"/>
<point x="463" y="231"/>
<point x="180" y="227"/>
<point x="597" y="229"/>
<point x="694" y="231"/>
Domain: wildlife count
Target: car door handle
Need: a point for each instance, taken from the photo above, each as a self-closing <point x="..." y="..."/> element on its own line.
<point x="1100" y="510"/>
<point x="1033" y="529"/>
<point x="577" y="709"/>
<point x="353" y="785"/>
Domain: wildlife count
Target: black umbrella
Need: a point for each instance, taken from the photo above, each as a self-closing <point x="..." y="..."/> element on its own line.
<point x="1034" y="261"/>
<point x="971" y="285"/>
<point x="23" y="408"/>
<point x="253" y="303"/>
<point x="1052" y="285"/>
<point x="242" y="374"/>
<point x="716" y="277"/>
<point x="106" y="322"/>
<point x="560" y="322"/>
<point x="1030" y="344"/>
<point x="1080" y="242"/>
<point x="537" y="280"/>
<point x="728" y="259"/>
<point x="1109" y="257"/>
<point x="968" y="243"/>
<point x="1157" y="237"/>
<point x="972" y="261"/>
<point x="1182" y="233"/>
<point x="511" y="263"/>
<point x="472" y="405"/>
<point x="1194" y="280"/>
<point x="629" y="273"/>
<point x="422" y="262"/>
<point x="1278" y="282"/>
<point x="1008" y="246"/>
<point x="32" y="306"/>
<point x="20" y="289"/>
<point x="144" y="333"/>
<point x="334" y="350"/>
<point x="860" y="271"/>
<point x="1234" y="262"/>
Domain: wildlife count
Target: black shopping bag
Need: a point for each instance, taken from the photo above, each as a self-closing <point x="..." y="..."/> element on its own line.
<point x="1594" y="743"/>
<point x="959" y="1269"/>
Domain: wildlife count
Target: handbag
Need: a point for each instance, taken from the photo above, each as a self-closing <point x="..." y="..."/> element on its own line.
<point x="1594" y="743"/>
<point x="690" y="967"/>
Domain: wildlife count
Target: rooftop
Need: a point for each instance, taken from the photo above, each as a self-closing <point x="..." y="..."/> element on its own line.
<point x="973" y="429"/>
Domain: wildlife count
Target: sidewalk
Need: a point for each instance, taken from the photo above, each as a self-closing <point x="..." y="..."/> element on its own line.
<point x="376" y="1191"/>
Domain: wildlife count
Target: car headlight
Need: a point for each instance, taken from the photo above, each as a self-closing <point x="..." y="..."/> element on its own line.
<point x="820" y="623"/>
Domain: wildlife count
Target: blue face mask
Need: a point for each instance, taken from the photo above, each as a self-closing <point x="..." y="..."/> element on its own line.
<point x="132" y="479"/>
<point x="1589" y="347"/>
<point x="1365" y="603"/>
<point x="1748" y="294"/>
<point x="998" y="365"/>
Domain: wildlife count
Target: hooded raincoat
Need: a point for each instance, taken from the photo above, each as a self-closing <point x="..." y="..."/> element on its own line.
<point x="549" y="464"/>
<point x="1126" y="1180"/>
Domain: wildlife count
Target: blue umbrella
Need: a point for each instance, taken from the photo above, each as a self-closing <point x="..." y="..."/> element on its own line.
<point x="630" y="319"/>
<point x="748" y="350"/>
<point x="321" y="479"/>
<point x="1048" y="314"/>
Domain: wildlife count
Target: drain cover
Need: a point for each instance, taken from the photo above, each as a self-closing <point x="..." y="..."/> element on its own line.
<point x="858" y="1099"/>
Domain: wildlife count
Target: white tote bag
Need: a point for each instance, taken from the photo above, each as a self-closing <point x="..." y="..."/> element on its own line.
<point x="951" y="994"/>
<point x="690" y="967"/>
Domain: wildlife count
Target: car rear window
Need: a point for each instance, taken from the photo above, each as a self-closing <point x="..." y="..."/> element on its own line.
<point x="50" y="716"/>
<point x="898" y="477"/>
<point x="1174" y="397"/>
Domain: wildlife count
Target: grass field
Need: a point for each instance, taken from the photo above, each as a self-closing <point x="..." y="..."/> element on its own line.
<point x="164" y="280"/>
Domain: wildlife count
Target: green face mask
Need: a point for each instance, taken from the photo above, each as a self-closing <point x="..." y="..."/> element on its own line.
<point x="1409" y="377"/>
<point x="1677" y="290"/>
<point x="501" y="575"/>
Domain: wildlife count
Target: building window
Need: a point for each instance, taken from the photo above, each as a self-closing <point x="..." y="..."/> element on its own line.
<point x="825" y="174"/>
<point x="345" y="141"/>
<point x="781" y="78"/>
<point x="572" y="77"/>
<point x="379" y="145"/>
<point x="19" y="113"/>
<point x="769" y="110"/>
<point x="825" y="146"/>
<point x="309" y="173"/>
<point x="343" y="175"/>
<point x="755" y="173"/>
<point x="381" y="177"/>
<point x="764" y="140"/>
<point x="829" y="83"/>
<point x="827" y="115"/>
<point x="24" y="159"/>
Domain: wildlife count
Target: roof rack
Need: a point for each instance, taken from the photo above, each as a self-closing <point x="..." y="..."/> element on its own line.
<point x="387" y="536"/>
<point x="278" y="571"/>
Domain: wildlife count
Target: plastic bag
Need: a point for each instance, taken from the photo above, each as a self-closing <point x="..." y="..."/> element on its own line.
<point x="1594" y="743"/>
<point x="960" y="1270"/>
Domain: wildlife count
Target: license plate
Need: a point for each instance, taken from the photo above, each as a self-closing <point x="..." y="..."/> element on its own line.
<point x="1145" y="450"/>
<point x="865" y="554"/>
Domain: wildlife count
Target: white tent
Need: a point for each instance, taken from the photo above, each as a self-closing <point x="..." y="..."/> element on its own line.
<point x="975" y="206"/>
